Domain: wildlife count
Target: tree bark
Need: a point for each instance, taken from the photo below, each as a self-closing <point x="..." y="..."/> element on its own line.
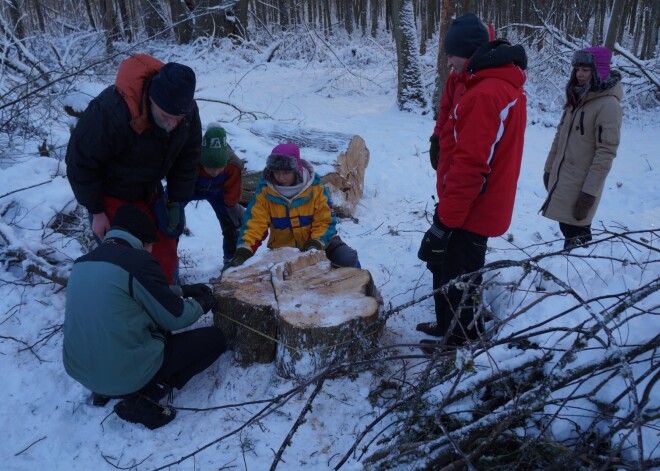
<point x="446" y="17"/>
<point x="616" y="20"/>
<point x="410" y="92"/>
<point x="16" y="19"/>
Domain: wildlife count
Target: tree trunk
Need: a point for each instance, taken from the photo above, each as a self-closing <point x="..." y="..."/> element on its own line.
<point x="16" y="19"/>
<point x="375" y="11"/>
<point x="651" y="31"/>
<point x="109" y="23"/>
<point x="183" y="25"/>
<point x="293" y="308"/>
<point x="153" y="17"/>
<point x="241" y="21"/>
<point x="446" y="17"/>
<point x="38" y="11"/>
<point x="410" y="92"/>
<point x="124" y="12"/>
<point x="616" y="21"/>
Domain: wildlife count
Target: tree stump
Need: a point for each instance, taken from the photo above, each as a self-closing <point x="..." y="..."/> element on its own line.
<point x="318" y="314"/>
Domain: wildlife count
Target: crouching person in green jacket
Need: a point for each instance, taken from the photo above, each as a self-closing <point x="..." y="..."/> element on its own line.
<point x="119" y="316"/>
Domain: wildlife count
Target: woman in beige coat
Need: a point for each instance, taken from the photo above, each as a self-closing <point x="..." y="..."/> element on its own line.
<point x="584" y="146"/>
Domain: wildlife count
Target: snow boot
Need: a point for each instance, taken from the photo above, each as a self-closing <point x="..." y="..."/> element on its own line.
<point x="142" y="410"/>
<point x="99" y="400"/>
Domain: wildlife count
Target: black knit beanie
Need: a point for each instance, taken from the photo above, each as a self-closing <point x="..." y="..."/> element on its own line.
<point x="466" y="34"/>
<point x="137" y="222"/>
<point x="173" y="88"/>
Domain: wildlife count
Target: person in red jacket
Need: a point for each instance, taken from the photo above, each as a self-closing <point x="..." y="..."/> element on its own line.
<point x="480" y="156"/>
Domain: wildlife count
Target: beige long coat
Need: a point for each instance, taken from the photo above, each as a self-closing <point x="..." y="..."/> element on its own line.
<point x="582" y="152"/>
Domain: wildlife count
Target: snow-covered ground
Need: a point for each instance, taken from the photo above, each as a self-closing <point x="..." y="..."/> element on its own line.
<point x="48" y="420"/>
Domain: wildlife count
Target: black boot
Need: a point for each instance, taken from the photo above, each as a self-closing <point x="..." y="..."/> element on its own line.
<point x="99" y="400"/>
<point x="142" y="410"/>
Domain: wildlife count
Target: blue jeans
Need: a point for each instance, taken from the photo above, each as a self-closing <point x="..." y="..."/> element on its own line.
<point x="230" y="225"/>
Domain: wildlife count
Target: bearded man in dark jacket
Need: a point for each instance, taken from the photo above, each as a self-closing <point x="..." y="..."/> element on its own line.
<point x="142" y="129"/>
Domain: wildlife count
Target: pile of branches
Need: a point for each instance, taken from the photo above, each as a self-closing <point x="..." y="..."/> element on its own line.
<point x="563" y="380"/>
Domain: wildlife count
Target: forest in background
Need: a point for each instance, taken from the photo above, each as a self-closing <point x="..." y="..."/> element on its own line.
<point x="48" y="45"/>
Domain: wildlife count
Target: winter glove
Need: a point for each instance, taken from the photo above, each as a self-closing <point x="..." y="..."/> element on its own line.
<point x="197" y="289"/>
<point x="584" y="203"/>
<point x="175" y="220"/>
<point x="241" y="255"/>
<point x="434" y="243"/>
<point x="169" y="216"/>
<point x="236" y="214"/>
<point x="546" y="179"/>
<point x="207" y="301"/>
<point x="312" y="244"/>
<point x="434" y="151"/>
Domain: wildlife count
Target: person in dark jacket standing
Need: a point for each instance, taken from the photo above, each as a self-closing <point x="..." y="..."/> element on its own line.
<point x="480" y="156"/>
<point x="584" y="146"/>
<point x="142" y="129"/>
<point x="119" y="316"/>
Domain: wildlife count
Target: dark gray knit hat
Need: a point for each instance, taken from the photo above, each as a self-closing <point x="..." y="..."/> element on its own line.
<point x="466" y="34"/>
<point x="173" y="88"/>
<point x="137" y="222"/>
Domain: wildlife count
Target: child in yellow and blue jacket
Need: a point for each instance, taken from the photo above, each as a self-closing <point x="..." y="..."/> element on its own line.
<point x="292" y="204"/>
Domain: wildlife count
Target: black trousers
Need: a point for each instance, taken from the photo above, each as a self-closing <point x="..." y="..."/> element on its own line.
<point x="465" y="253"/>
<point x="188" y="354"/>
<point x="575" y="235"/>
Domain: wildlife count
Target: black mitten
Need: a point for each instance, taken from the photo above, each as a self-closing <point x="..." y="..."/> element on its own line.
<point x="197" y="289"/>
<point x="207" y="301"/>
<point x="434" y="243"/>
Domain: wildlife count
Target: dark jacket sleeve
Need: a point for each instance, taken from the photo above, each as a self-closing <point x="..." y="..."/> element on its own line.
<point x="182" y="175"/>
<point x="94" y="140"/>
<point x="166" y="309"/>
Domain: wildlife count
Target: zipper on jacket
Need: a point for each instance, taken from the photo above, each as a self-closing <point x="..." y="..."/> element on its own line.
<point x="600" y="134"/>
<point x="582" y="123"/>
<point x="561" y="162"/>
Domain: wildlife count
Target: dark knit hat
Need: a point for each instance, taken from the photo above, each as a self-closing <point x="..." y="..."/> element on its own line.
<point x="137" y="222"/>
<point x="466" y="34"/>
<point x="285" y="157"/>
<point x="597" y="57"/>
<point x="173" y="88"/>
<point x="214" y="147"/>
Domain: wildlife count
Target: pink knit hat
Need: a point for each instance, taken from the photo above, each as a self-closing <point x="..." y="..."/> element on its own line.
<point x="596" y="57"/>
<point x="284" y="157"/>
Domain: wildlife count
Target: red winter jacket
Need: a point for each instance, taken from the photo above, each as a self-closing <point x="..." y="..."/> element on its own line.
<point x="481" y="145"/>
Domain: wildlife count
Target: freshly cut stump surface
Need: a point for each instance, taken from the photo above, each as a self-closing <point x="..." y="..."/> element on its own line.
<point x="318" y="314"/>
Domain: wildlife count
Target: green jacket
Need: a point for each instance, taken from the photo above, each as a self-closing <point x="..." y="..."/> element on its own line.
<point x="119" y="310"/>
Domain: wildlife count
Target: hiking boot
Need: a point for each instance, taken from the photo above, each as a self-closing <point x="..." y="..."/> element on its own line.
<point x="157" y="391"/>
<point x="99" y="400"/>
<point x="141" y="410"/>
<point x="430" y="328"/>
